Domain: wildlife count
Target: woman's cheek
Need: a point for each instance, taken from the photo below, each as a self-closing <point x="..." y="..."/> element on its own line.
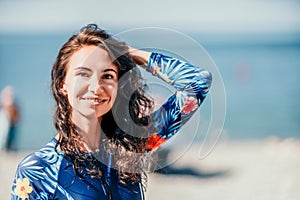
<point x="112" y="90"/>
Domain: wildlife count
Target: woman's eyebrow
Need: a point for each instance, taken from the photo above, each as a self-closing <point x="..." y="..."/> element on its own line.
<point x="110" y="69"/>
<point x="84" y="68"/>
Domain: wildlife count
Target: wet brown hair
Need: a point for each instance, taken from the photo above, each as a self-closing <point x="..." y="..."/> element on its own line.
<point x="122" y="145"/>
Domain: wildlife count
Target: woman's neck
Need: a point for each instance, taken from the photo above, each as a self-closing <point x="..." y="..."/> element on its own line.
<point x="90" y="131"/>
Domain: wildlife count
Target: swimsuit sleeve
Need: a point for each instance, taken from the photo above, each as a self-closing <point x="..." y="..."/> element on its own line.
<point x="191" y="83"/>
<point x="28" y="181"/>
<point x="36" y="175"/>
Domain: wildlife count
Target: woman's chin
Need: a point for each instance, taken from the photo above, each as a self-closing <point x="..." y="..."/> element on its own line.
<point x="90" y="114"/>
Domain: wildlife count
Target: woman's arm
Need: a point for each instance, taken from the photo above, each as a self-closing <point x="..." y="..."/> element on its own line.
<point x="140" y="57"/>
<point x="191" y="83"/>
<point x="37" y="174"/>
<point x="28" y="180"/>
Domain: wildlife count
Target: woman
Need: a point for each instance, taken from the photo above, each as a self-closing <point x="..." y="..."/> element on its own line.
<point x="106" y="127"/>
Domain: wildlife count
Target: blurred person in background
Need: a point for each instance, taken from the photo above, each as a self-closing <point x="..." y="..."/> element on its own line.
<point x="9" y="116"/>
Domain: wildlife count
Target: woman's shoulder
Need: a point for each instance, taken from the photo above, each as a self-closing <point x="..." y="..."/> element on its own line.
<point x="38" y="173"/>
<point x="46" y="157"/>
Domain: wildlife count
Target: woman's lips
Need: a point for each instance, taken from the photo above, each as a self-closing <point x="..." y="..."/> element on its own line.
<point x="95" y="101"/>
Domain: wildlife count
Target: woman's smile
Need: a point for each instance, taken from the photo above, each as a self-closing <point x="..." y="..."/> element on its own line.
<point x="95" y="101"/>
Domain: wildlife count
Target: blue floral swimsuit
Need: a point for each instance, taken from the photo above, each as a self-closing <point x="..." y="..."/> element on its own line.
<point x="48" y="174"/>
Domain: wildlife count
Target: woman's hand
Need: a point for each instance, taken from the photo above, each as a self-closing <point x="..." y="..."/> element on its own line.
<point x="140" y="57"/>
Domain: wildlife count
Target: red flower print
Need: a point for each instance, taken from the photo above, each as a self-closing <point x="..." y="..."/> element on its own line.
<point x="154" y="141"/>
<point x="190" y="105"/>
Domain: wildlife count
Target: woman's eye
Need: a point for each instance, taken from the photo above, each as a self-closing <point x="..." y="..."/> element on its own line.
<point x="82" y="74"/>
<point x="108" y="76"/>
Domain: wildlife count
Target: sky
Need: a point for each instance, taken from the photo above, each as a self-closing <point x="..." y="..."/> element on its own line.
<point x="206" y="16"/>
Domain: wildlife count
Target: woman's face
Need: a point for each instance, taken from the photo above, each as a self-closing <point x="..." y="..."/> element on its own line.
<point x="91" y="83"/>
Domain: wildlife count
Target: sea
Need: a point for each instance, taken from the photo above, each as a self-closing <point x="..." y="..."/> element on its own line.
<point x="256" y="76"/>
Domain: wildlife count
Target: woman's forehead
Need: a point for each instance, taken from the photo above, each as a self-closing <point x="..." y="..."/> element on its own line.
<point x="93" y="57"/>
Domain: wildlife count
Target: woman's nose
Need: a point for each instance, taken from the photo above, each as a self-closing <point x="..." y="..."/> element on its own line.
<point x="95" y="86"/>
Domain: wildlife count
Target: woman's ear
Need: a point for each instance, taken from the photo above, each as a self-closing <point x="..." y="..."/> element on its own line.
<point x="63" y="89"/>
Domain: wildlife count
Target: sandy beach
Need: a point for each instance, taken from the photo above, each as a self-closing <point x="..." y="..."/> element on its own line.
<point x="259" y="170"/>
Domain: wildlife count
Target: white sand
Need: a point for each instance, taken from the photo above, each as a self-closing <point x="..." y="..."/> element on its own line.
<point x="244" y="170"/>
